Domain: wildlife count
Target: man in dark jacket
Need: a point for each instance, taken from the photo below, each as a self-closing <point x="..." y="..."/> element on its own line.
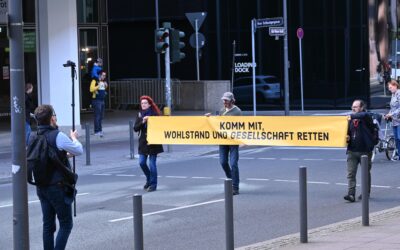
<point x="360" y="142"/>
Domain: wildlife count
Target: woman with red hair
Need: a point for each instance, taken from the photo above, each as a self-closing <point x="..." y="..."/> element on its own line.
<point x="147" y="108"/>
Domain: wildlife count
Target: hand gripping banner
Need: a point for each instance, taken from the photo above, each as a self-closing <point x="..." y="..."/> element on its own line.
<point x="304" y="131"/>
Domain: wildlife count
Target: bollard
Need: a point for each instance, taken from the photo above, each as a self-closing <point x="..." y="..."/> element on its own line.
<point x="229" y="215"/>
<point x="138" y="222"/>
<point x="87" y="143"/>
<point x="365" y="190"/>
<point x="131" y="140"/>
<point x="303" y="204"/>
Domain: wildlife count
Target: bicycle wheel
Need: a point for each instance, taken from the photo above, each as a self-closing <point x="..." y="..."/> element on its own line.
<point x="391" y="145"/>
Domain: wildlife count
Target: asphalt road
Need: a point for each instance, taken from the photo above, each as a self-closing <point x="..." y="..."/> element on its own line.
<point x="187" y="210"/>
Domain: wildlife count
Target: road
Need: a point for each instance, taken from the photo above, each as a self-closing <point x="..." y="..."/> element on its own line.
<point x="187" y="210"/>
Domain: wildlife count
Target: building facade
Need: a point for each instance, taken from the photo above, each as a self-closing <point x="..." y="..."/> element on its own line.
<point x="344" y="42"/>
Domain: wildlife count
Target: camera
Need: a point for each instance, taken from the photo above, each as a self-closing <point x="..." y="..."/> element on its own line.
<point x="69" y="64"/>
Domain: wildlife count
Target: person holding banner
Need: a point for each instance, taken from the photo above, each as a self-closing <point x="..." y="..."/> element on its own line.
<point x="148" y="108"/>
<point x="230" y="167"/>
<point x="360" y="142"/>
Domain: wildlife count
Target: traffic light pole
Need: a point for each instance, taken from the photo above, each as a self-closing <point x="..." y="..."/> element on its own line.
<point x="20" y="191"/>
<point x="167" y="74"/>
<point x="197" y="49"/>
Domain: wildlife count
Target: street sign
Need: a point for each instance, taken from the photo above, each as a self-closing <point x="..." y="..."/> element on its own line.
<point x="277" y="31"/>
<point x="202" y="40"/>
<point x="300" y="33"/>
<point x="3" y="11"/>
<point x="200" y="16"/>
<point x="268" y="22"/>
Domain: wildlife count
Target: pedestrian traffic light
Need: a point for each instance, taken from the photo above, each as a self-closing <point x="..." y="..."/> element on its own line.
<point x="176" y="45"/>
<point x="160" y="42"/>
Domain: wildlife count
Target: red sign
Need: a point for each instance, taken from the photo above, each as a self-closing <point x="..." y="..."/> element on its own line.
<point x="300" y="33"/>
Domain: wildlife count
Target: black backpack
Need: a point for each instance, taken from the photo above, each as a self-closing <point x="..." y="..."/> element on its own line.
<point x="43" y="160"/>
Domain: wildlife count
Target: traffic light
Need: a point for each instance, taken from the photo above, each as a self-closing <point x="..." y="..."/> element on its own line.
<point x="160" y="43"/>
<point x="176" y="45"/>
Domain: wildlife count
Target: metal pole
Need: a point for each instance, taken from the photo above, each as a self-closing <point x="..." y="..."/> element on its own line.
<point x="167" y="71"/>
<point x="20" y="192"/>
<point x="303" y="204"/>
<point x="301" y="76"/>
<point x="131" y="140"/>
<point x="197" y="50"/>
<point x="138" y="222"/>
<point x="158" y="55"/>
<point x="365" y="190"/>
<point x="233" y="63"/>
<point x="87" y="135"/>
<point x="73" y="73"/>
<point x="285" y="59"/>
<point x="229" y="215"/>
<point x="253" y="55"/>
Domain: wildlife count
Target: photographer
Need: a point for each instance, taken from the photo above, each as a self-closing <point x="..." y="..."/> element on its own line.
<point x="56" y="198"/>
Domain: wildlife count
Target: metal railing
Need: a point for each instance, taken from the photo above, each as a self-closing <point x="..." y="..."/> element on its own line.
<point x="128" y="92"/>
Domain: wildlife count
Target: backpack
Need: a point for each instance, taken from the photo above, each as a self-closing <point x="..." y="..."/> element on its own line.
<point x="43" y="160"/>
<point x="375" y="129"/>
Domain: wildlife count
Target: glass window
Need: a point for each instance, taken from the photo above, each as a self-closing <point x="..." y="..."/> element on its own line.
<point x="88" y="11"/>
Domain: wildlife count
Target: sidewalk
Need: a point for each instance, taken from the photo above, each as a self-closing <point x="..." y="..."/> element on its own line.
<point x="383" y="233"/>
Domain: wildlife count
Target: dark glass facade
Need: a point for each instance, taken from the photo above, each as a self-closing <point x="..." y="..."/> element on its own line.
<point x="335" y="44"/>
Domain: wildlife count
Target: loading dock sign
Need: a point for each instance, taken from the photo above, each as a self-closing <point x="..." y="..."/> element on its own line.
<point x="3" y="11"/>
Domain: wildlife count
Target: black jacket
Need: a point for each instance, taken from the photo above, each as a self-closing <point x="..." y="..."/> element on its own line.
<point x="144" y="147"/>
<point x="360" y="132"/>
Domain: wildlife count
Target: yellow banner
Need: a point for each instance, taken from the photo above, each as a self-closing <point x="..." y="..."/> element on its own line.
<point x="307" y="131"/>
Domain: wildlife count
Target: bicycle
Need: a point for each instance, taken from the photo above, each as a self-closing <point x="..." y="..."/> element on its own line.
<point x="386" y="142"/>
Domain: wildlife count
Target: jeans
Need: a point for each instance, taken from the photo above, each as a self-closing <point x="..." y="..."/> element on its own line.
<point x="396" y="133"/>
<point x="98" y="106"/>
<point x="54" y="202"/>
<point x="231" y="171"/>
<point x="151" y="174"/>
<point x="28" y="131"/>
<point x="353" y="159"/>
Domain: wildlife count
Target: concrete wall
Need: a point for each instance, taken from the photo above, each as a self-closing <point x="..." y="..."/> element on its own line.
<point x="57" y="36"/>
<point x="202" y="95"/>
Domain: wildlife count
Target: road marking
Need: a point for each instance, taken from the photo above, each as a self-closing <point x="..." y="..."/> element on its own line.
<point x="289" y="159"/>
<point x="169" y="210"/>
<point x="247" y="158"/>
<point x="177" y="177"/>
<point x="279" y="180"/>
<point x="102" y="174"/>
<point x="377" y="186"/>
<point x="257" y="179"/>
<point x="262" y="158"/>
<point x="337" y="159"/>
<point x="126" y="175"/>
<point x="310" y="159"/>
<point x="341" y="184"/>
<point x="201" y="177"/>
<point x="318" y="182"/>
<point x="36" y="201"/>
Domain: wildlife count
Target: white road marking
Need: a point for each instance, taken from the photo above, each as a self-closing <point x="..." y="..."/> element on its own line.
<point x="126" y="175"/>
<point x="177" y="177"/>
<point x="262" y="158"/>
<point x="201" y="177"/>
<point x="257" y="179"/>
<point x="36" y="201"/>
<point x="310" y="159"/>
<point x="169" y="210"/>
<point x="279" y="180"/>
<point x="318" y="182"/>
<point x="378" y="186"/>
<point x="337" y="159"/>
<point x="246" y="158"/>
<point x="341" y="184"/>
<point x="102" y="174"/>
<point x="289" y="159"/>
